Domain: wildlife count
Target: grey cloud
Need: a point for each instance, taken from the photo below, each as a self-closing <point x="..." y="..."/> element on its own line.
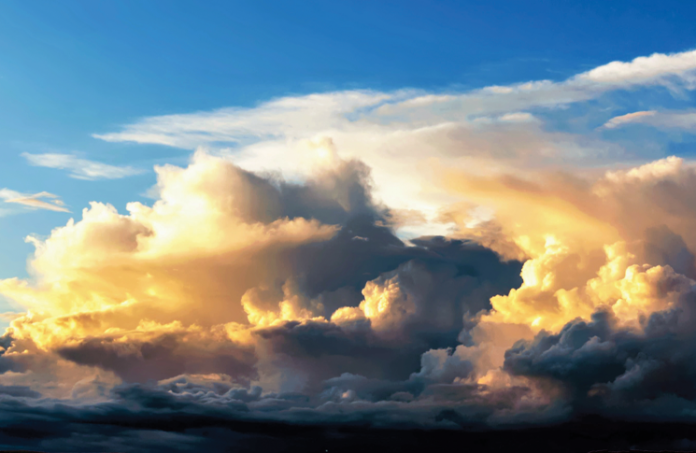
<point x="579" y="356"/>
<point x="18" y="391"/>
<point x="436" y="370"/>
<point x="7" y="363"/>
<point x="150" y="418"/>
<point x="370" y="389"/>
<point x="160" y="358"/>
<point x="604" y="367"/>
<point x="663" y="246"/>
<point x="446" y="282"/>
<point x="324" y="350"/>
<point x="455" y="276"/>
<point x="333" y="196"/>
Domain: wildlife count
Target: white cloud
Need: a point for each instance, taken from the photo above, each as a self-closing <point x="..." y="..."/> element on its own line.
<point x="81" y="168"/>
<point x="645" y="70"/>
<point x="664" y="120"/>
<point x="290" y="116"/>
<point x="302" y="116"/>
<point x="405" y="136"/>
<point x="512" y="117"/>
<point x="670" y="70"/>
<point x="41" y="200"/>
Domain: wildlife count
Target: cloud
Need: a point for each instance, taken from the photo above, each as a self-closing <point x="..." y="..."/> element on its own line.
<point x="161" y="357"/>
<point x="262" y="308"/>
<point x="489" y="128"/>
<point x="636" y="117"/>
<point x="569" y="273"/>
<point x="267" y="285"/>
<point x="405" y="184"/>
<point x="293" y="304"/>
<point x="195" y="418"/>
<point x="602" y="364"/>
<point x="281" y="117"/>
<point x="294" y="117"/>
<point x="80" y="168"/>
<point x="685" y="120"/>
<point x="54" y="203"/>
<point x="643" y="70"/>
<point x="196" y="220"/>
<point x="20" y="391"/>
<point x="121" y="292"/>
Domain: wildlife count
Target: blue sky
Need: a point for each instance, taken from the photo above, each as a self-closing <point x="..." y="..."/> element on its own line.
<point x="71" y="69"/>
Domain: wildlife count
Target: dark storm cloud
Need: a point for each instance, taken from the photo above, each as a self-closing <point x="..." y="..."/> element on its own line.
<point x="446" y="281"/>
<point x="618" y="371"/>
<point x="364" y="248"/>
<point x="151" y="419"/>
<point x="370" y="389"/>
<point x="663" y="246"/>
<point x="343" y="262"/>
<point x="6" y="363"/>
<point x="160" y="358"/>
<point x="333" y="196"/>
<point x="581" y="355"/>
<point x="325" y="350"/>
<point x="18" y="391"/>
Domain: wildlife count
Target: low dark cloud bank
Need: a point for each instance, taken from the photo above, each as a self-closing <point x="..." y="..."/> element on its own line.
<point x="146" y="419"/>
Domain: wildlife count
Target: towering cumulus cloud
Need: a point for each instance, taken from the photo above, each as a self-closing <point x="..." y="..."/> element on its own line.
<point x="413" y="261"/>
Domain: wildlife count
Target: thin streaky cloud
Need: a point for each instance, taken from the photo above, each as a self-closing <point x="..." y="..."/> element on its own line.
<point x="41" y="200"/>
<point x="306" y="115"/>
<point x="684" y="120"/>
<point x="635" y="117"/>
<point x="81" y="168"/>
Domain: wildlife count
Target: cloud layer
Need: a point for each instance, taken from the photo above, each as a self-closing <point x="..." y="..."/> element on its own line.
<point x="289" y="278"/>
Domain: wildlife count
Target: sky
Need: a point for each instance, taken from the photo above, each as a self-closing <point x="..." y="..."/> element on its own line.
<point x="279" y="221"/>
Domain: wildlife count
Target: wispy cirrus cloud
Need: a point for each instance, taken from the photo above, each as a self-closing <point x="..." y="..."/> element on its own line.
<point x="685" y="120"/>
<point x="81" y="168"/>
<point x="284" y="117"/>
<point x="293" y="117"/>
<point x="635" y="117"/>
<point x="41" y="200"/>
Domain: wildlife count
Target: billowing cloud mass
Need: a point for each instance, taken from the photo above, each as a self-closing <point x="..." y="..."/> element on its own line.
<point x="372" y="260"/>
